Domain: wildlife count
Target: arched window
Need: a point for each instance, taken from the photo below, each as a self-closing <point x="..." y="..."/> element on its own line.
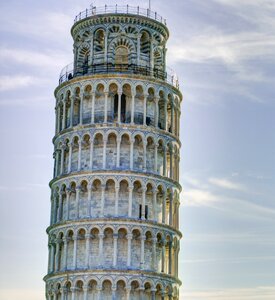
<point x="123" y="107"/>
<point x="121" y="56"/>
<point x="145" y="45"/>
<point x="99" y="40"/>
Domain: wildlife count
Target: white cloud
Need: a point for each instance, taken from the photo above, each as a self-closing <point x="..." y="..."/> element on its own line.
<point x="51" y="60"/>
<point x="19" y="81"/>
<point x="226" y="184"/>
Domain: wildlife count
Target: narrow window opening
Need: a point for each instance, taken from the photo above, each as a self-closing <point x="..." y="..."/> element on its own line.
<point x="146" y="212"/>
<point x="140" y="211"/>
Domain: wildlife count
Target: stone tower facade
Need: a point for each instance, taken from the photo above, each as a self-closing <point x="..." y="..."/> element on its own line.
<point x="114" y="231"/>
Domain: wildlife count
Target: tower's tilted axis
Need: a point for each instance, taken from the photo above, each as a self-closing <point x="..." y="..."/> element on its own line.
<point x="115" y="192"/>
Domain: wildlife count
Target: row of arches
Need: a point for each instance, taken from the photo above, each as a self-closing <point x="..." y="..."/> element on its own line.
<point x="114" y="151"/>
<point x="115" y="103"/>
<point x="108" y="288"/>
<point x="111" y="198"/>
<point x="141" y="47"/>
<point x="122" y="248"/>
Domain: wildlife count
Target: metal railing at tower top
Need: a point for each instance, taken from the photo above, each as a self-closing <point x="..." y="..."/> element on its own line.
<point x="118" y="9"/>
<point x="69" y="72"/>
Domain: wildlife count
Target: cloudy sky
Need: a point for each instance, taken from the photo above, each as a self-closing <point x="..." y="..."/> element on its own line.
<point x="224" y="53"/>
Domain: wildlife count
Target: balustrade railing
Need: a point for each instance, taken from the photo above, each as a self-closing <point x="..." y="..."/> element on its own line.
<point x="118" y="9"/>
<point x="69" y="72"/>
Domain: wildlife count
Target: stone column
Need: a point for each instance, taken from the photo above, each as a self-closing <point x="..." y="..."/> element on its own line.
<point x="89" y="202"/>
<point x="57" y="247"/>
<point x="163" y="257"/>
<point x="144" y="155"/>
<point x="129" y="250"/>
<point x="143" y="203"/>
<point x="132" y="141"/>
<point x="164" y="208"/>
<point x="85" y="289"/>
<point x="57" y="111"/>
<point x="170" y="258"/>
<point x="156" y="159"/>
<point x="153" y="294"/>
<point x="87" y="254"/>
<point x="165" y="114"/>
<point x="91" y="154"/>
<point x="62" y="159"/>
<point x="133" y="109"/>
<point x="119" y="108"/>
<point x="103" y="186"/>
<point x="93" y="108"/>
<point x="64" y="116"/>
<point x="141" y="293"/>
<point x="104" y="152"/>
<point x="154" y="254"/>
<point x="73" y="293"/>
<point x="116" y="200"/>
<point x="81" y="109"/>
<point x="115" y="237"/>
<point x="65" y="252"/>
<point x="172" y="118"/>
<point x="72" y="112"/>
<point x="79" y="155"/>
<point x="155" y="191"/>
<point x="118" y="152"/>
<point x="157" y="112"/>
<point x="101" y="261"/>
<point x="142" y="256"/>
<point x="68" y="204"/>
<point x="51" y="257"/>
<point x="171" y="208"/>
<point x="59" y="211"/>
<point x="77" y="201"/>
<point x="113" y="293"/>
<point x="70" y="157"/>
<point x="99" y="290"/>
<point x="106" y="107"/>
<point x="144" y="109"/>
<point x="171" y="163"/>
<point x="130" y="188"/>
<point x="128" y="292"/>
<point x="164" y="161"/>
<point x="54" y="296"/>
<point x="75" y="253"/>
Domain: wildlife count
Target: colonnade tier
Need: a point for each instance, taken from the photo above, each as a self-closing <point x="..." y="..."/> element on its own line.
<point x="113" y="245"/>
<point x="137" y="198"/>
<point x="113" y="149"/>
<point x="108" y="101"/>
<point x="112" y="286"/>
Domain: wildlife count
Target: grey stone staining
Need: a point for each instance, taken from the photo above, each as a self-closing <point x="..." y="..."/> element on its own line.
<point x="114" y="229"/>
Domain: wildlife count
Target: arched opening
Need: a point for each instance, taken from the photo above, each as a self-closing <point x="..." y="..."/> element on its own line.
<point x="123" y="198"/>
<point x="99" y="40"/>
<point x="123" y="108"/>
<point x="136" y="249"/>
<point x="92" y="290"/>
<point x="110" y="198"/>
<point x="108" y="243"/>
<point x="94" y="258"/>
<point x="122" y="244"/>
<point x="134" y="294"/>
<point x="111" y="151"/>
<point x="107" y="290"/>
<point x="95" y="205"/>
<point x="81" y="248"/>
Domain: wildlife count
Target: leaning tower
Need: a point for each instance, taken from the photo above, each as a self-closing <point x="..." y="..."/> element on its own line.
<point x="114" y="231"/>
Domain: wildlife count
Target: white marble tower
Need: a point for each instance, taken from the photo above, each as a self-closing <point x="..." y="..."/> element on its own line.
<point x="114" y="231"/>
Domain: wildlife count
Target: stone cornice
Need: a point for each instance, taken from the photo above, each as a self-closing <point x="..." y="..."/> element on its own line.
<point x="104" y="19"/>
<point x="115" y="272"/>
<point x="110" y="173"/>
<point x="114" y="221"/>
<point x="146" y="79"/>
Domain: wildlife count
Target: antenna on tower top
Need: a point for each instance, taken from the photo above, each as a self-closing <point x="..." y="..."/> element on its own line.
<point x="149" y="4"/>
